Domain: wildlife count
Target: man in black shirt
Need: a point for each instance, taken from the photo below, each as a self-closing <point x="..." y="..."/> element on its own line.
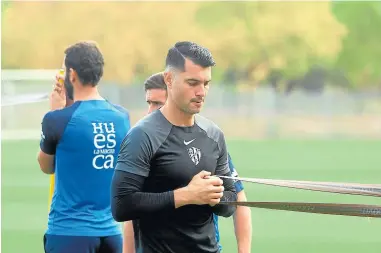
<point x="164" y="179"/>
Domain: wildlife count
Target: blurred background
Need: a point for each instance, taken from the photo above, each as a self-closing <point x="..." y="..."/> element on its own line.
<point x="296" y="90"/>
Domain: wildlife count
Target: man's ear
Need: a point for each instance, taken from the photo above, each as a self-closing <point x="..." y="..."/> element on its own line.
<point x="168" y="79"/>
<point x="72" y="75"/>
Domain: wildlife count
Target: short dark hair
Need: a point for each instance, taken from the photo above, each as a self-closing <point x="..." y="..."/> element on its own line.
<point x="155" y="81"/>
<point x="185" y="49"/>
<point x="87" y="60"/>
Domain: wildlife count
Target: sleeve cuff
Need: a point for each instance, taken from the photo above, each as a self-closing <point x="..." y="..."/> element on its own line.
<point x="126" y="168"/>
<point x="47" y="150"/>
<point x="238" y="186"/>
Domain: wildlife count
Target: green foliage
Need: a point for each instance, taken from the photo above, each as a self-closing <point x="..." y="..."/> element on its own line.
<point x="129" y="33"/>
<point x="360" y="56"/>
<point x="4" y="6"/>
<point x="254" y="37"/>
<point x="272" y="35"/>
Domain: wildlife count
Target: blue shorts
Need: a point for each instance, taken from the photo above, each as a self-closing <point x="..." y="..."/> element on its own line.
<point x="83" y="244"/>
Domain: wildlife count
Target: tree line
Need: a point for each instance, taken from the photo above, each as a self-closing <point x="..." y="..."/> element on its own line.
<point x="254" y="43"/>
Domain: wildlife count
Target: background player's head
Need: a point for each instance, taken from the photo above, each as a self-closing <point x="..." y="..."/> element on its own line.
<point x="156" y="91"/>
<point x="187" y="75"/>
<point x="83" y="67"/>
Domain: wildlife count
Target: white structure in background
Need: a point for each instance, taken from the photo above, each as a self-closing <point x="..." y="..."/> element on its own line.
<point x="254" y="114"/>
<point x="21" y="88"/>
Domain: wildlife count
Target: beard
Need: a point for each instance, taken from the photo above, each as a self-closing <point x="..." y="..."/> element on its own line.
<point x="69" y="87"/>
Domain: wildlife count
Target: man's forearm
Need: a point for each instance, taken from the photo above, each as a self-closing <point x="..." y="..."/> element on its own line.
<point x="181" y="197"/>
<point x="129" y="203"/>
<point x="148" y="203"/>
<point x="228" y="195"/>
<point x="126" y="189"/>
<point x="128" y="238"/>
<point x="242" y="225"/>
<point x="137" y="205"/>
<point x="46" y="162"/>
<point x="225" y="210"/>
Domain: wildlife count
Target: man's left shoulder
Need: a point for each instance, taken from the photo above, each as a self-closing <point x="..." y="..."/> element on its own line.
<point x="58" y="119"/>
<point x="121" y="109"/>
<point x="212" y="130"/>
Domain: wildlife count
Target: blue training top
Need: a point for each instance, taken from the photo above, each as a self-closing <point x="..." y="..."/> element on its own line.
<point x="85" y="139"/>
<point x="238" y="188"/>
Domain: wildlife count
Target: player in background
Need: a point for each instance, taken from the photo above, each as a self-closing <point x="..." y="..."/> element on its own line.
<point x="156" y="95"/>
<point x="79" y="144"/>
<point x="166" y="161"/>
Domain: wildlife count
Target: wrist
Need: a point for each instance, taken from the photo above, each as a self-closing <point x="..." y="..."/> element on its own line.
<point x="243" y="250"/>
<point x="182" y="197"/>
<point x="244" y="244"/>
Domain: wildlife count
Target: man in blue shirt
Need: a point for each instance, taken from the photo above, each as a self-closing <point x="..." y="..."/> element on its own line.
<point x="156" y="96"/>
<point x="79" y="144"/>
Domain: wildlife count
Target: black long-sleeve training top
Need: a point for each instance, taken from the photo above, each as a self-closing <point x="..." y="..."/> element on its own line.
<point x="156" y="158"/>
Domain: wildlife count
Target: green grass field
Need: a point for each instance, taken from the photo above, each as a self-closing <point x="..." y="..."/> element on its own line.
<point x="25" y="195"/>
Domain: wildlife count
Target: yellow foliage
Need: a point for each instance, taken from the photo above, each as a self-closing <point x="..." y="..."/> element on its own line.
<point x="312" y="21"/>
<point x="266" y="31"/>
<point x="35" y="34"/>
<point x="260" y="72"/>
<point x="129" y="33"/>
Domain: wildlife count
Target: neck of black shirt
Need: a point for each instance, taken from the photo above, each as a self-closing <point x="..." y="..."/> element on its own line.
<point x="177" y="117"/>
